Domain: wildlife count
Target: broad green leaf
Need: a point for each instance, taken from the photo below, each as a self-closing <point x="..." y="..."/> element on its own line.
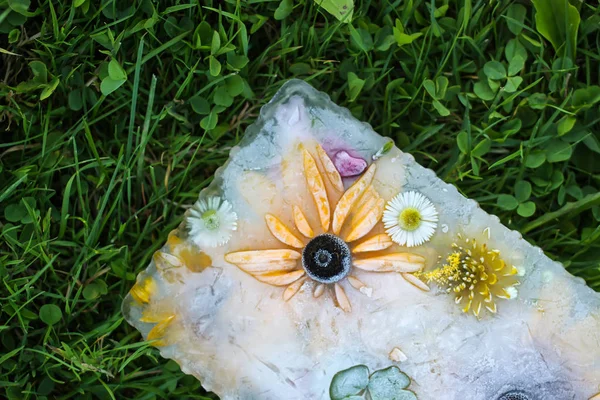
<point x="522" y="190"/>
<point x="50" y="88"/>
<point x="515" y="65"/>
<point x="94" y="290"/>
<point x="565" y="124"/>
<point x="361" y="38"/>
<point x="349" y="382"/>
<point x="558" y="150"/>
<point x="494" y="70"/>
<point x="40" y="72"/>
<point x="511" y="127"/>
<point x="14" y="35"/>
<point x="584" y="98"/>
<point x="516" y="16"/>
<point x="355" y="85"/>
<point x="507" y="202"/>
<point x="50" y="314"/>
<point x="210" y="121"/>
<point x="526" y="209"/>
<point x="558" y="21"/>
<point x="235" y="85"/>
<point x="284" y="9"/>
<point x="515" y="48"/>
<point x="75" y="100"/>
<point x="462" y="140"/>
<point x="535" y="159"/>
<point x="109" y="85"/>
<point x="441" y="86"/>
<point x="237" y="62"/>
<point x="429" y="86"/>
<point x="482" y="148"/>
<point x="215" y="44"/>
<point x="200" y="105"/>
<point x="341" y="9"/>
<point x="222" y="97"/>
<point x="78" y="3"/>
<point x="512" y="84"/>
<point x="388" y="384"/>
<point x="214" y="66"/>
<point x="537" y="101"/>
<point x="115" y="71"/>
<point x="483" y="91"/>
<point x="15" y="212"/>
<point x="444" y="112"/>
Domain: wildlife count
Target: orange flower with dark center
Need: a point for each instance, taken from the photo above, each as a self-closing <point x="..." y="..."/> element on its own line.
<point x="321" y="254"/>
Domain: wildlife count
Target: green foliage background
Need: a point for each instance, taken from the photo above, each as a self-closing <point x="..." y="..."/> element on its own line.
<point x="115" y="114"/>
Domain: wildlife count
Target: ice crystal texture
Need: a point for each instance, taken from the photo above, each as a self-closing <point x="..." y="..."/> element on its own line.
<point x="243" y="340"/>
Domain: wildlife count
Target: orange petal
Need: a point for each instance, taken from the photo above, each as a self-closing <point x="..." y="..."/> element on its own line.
<point x="302" y="223"/>
<point x="394" y="262"/>
<point x="269" y="267"/>
<point x="143" y="289"/>
<point x="368" y="201"/>
<point x="330" y="170"/>
<point x="164" y="260"/>
<point x="261" y="256"/>
<point x="377" y="242"/>
<point x="319" y="290"/>
<point x="291" y="290"/>
<point x="317" y="188"/>
<point x="280" y="278"/>
<point x="356" y="283"/>
<point x="281" y="232"/>
<point x="159" y="331"/>
<point x="413" y="280"/>
<point x="364" y="225"/>
<point x="342" y="299"/>
<point x="350" y="197"/>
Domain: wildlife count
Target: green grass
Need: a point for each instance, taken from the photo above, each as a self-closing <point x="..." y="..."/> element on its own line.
<point x="91" y="184"/>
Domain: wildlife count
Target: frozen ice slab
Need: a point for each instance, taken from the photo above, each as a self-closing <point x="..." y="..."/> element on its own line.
<point x="320" y="247"/>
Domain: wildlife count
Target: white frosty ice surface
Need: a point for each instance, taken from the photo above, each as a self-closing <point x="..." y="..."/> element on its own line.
<point x="243" y="341"/>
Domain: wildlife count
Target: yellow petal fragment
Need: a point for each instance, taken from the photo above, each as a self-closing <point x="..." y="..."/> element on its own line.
<point x="280" y="278"/>
<point x="413" y="280"/>
<point x="302" y="223"/>
<point x="291" y="290"/>
<point x="195" y="261"/>
<point x="261" y="256"/>
<point x="281" y="232"/>
<point x="364" y="225"/>
<point x="368" y="201"/>
<point x="342" y="299"/>
<point x="394" y="262"/>
<point x="159" y="331"/>
<point x="319" y="290"/>
<point x="350" y="197"/>
<point x="330" y="170"/>
<point x="166" y="261"/>
<point x="143" y="289"/>
<point x="492" y="308"/>
<point x="477" y="308"/>
<point x="155" y="315"/>
<point x="315" y="183"/>
<point x="375" y="243"/>
<point x="356" y="283"/>
<point x="269" y="267"/>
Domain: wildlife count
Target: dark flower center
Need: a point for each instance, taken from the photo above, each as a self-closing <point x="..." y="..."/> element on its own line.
<point x="514" y="395"/>
<point x="327" y="258"/>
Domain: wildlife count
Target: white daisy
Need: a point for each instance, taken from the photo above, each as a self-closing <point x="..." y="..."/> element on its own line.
<point x="410" y="219"/>
<point x="211" y="222"/>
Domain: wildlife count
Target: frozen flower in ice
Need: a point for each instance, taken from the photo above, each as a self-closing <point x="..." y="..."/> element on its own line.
<point x="211" y="222"/>
<point x="410" y="219"/>
<point x="323" y="254"/>
<point x="476" y="275"/>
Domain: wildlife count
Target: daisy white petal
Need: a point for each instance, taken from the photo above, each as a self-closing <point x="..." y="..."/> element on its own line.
<point x="211" y="222"/>
<point x="410" y="219"/>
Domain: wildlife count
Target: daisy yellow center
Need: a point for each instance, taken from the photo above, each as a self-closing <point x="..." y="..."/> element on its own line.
<point x="211" y="219"/>
<point x="409" y="219"/>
